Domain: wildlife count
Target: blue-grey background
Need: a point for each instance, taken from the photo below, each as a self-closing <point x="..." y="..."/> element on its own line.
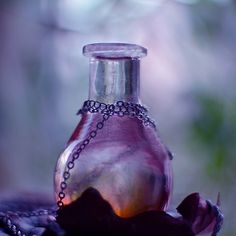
<point x="188" y="81"/>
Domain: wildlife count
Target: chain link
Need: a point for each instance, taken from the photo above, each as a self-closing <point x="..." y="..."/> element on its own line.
<point x="119" y="109"/>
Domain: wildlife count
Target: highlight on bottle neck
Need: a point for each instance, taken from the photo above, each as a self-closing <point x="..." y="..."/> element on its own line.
<point x="114" y="71"/>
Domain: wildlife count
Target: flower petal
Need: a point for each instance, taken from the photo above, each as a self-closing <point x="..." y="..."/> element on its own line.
<point x="201" y="215"/>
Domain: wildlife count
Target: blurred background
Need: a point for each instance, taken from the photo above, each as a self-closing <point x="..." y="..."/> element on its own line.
<point x="188" y="81"/>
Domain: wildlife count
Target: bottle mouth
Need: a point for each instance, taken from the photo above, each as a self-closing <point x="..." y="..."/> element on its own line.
<point x="114" y="51"/>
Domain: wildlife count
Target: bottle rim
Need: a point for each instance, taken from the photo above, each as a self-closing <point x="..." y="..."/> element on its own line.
<point x="114" y="51"/>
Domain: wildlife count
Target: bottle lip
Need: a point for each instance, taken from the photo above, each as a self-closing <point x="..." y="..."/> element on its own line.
<point x="114" y="51"/>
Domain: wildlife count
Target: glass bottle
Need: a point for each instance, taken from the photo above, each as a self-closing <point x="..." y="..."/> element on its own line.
<point x="118" y="153"/>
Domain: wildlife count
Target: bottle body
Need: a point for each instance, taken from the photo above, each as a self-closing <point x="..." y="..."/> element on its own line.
<point x="126" y="163"/>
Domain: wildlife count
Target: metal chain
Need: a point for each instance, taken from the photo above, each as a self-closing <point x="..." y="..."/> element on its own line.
<point x="120" y="109"/>
<point x="14" y="228"/>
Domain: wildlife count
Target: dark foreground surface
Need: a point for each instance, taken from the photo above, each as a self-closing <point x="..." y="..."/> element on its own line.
<point x="92" y="215"/>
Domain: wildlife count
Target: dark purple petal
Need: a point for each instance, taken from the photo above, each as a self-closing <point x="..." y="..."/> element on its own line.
<point x="201" y="215"/>
<point x="92" y="214"/>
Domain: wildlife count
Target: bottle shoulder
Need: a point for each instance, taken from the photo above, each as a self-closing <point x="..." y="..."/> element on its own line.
<point x="114" y="128"/>
<point x="119" y="132"/>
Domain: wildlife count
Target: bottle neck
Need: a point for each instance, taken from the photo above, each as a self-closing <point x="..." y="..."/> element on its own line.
<point x="113" y="80"/>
